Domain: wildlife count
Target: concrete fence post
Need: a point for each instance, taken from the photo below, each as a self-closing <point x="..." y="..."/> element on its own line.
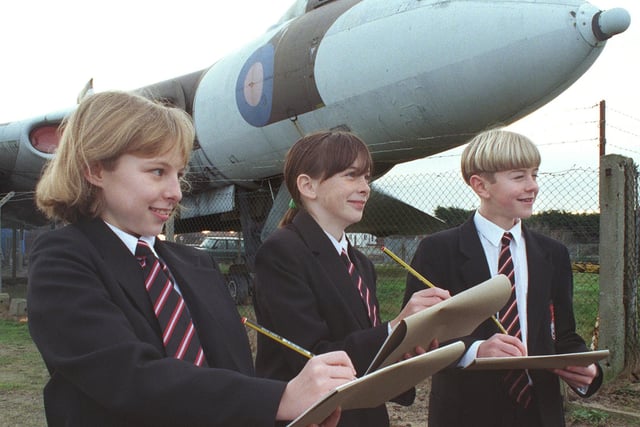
<point x="612" y="244"/>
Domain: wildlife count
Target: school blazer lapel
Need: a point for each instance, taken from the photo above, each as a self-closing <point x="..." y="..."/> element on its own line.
<point x="122" y="264"/>
<point x="332" y="265"/>
<point x="473" y="260"/>
<point x="126" y="271"/>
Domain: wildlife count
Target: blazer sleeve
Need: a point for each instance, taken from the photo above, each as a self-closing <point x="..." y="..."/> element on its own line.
<point x="94" y="341"/>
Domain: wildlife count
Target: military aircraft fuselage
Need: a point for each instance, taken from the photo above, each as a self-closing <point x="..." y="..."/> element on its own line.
<point x="412" y="78"/>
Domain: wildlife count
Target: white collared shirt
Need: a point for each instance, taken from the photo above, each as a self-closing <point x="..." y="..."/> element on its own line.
<point x="341" y="245"/>
<point x="130" y="241"/>
<point x="490" y="237"/>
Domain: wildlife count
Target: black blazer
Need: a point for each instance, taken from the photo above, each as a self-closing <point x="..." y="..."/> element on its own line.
<point x="93" y="323"/>
<point x="454" y="259"/>
<point x="304" y="293"/>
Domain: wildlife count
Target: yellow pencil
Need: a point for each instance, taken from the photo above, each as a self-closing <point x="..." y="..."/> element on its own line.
<point x="277" y="338"/>
<point x="428" y="283"/>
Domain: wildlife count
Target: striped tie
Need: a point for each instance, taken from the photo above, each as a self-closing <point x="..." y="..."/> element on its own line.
<point x="179" y="336"/>
<point x="365" y="293"/>
<point x="517" y="380"/>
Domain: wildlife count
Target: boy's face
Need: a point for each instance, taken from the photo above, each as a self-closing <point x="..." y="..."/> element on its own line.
<point x="509" y="196"/>
<point x="140" y="193"/>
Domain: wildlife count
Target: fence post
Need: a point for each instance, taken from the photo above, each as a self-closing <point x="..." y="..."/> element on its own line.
<point x="4" y="200"/>
<point x="612" y="243"/>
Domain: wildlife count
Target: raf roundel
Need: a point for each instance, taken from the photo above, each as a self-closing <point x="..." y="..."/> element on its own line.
<point x="254" y="87"/>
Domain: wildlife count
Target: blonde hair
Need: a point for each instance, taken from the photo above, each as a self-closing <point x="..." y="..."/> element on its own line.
<point x="322" y="155"/>
<point x="105" y="126"/>
<point x="498" y="150"/>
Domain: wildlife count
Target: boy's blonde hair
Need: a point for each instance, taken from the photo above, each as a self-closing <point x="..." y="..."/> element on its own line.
<point x="105" y="126"/>
<point x="498" y="150"/>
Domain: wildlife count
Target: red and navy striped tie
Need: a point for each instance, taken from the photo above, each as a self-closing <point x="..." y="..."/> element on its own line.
<point x="517" y="380"/>
<point x="365" y="293"/>
<point x="179" y="336"/>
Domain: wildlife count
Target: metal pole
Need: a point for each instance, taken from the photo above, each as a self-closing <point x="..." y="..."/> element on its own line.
<point x="603" y="139"/>
<point x="4" y="200"/>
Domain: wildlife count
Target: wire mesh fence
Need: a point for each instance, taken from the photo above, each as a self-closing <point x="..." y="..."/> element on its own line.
<point x="567" y="209"/>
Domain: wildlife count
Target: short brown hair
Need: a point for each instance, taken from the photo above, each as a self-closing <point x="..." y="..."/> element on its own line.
<point x="322" y="155"/>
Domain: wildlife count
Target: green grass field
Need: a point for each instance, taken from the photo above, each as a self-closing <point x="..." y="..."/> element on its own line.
<point x="22" y="377"/>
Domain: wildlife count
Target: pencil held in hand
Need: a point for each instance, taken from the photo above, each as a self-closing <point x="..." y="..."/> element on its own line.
<point x="285" y="342"/>
<point x="428" y="283"/>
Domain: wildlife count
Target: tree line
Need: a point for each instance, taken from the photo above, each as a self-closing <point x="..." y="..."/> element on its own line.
<point x="566" y="226"/>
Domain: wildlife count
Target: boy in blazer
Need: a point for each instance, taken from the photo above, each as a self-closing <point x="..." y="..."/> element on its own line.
<point x="501" y="167"/>
<point x="305" y="290"/>
<point x="118" y="354"/>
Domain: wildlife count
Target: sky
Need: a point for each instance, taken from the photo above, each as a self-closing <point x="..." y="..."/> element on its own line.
<point x="51" y="49"/>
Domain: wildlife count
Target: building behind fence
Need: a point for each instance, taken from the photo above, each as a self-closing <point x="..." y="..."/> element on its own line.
<point x="567" y="209"/>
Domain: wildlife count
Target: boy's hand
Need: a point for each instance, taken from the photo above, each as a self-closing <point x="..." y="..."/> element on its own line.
<point x="577" y="376"/>
<point x="501" y="345"/>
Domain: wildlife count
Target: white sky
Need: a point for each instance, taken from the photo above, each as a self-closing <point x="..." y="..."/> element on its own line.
<point x="50" y="49"/>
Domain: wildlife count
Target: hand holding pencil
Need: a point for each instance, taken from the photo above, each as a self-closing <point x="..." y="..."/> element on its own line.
<point x="419" y="301"/>
<point x="426" y="282"/>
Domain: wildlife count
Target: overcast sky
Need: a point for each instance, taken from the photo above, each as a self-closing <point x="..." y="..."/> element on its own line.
<point x="50" y="49"/>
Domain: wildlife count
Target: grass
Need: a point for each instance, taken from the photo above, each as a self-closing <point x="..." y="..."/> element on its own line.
<point x="22" y="367"/>
<point x="22" y="377"/>
<point x="592" y="417"/>
<point x="390" y="291"/>
<point x="586" y="288"/>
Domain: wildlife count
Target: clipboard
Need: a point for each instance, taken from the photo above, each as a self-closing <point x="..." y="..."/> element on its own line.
<point x="553" y="361"/>
<point x="450" y="319"/>
<point x="382" y="385"/>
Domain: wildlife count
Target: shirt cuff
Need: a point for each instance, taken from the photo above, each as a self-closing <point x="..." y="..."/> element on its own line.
<point x="470" y="355"/>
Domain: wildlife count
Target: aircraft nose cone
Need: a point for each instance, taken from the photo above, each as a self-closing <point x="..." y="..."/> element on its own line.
<point x="596" y="26"/>
<point x="610" y="22"/>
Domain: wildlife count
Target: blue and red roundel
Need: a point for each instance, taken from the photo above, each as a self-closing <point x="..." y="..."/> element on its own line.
<point x="254" y="88"/>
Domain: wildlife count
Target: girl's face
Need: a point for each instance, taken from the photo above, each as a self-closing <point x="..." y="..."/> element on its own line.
<point x="510" y="197"/>
<point x="140" y="193"/>
<point x="340" y="199"/>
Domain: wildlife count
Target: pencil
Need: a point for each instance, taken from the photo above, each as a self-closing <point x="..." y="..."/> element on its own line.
<point x="428" y="283"/>
<point x="277" y="338"/>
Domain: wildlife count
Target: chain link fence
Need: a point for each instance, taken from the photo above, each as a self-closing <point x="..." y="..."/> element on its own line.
<point x="567" y="209"/>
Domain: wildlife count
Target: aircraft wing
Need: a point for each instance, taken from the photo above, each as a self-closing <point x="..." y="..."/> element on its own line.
<point x="385" y="216"/>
